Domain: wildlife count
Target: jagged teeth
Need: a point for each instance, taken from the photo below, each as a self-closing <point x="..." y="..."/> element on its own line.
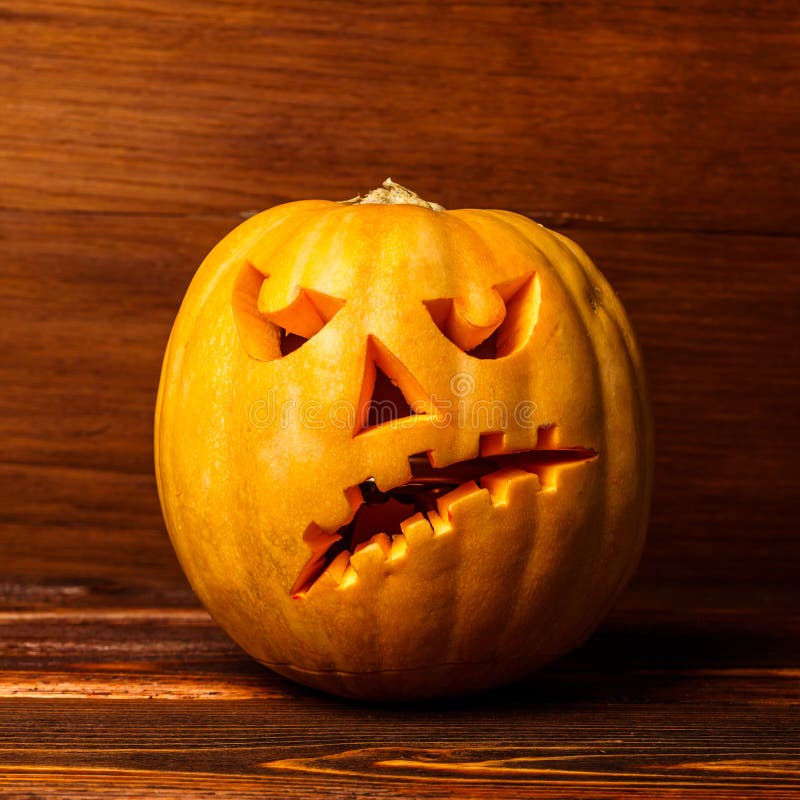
<point x="349" y="578"/>
<point x="417" y="530"/>
<point x="374" y="551"/>
<point x="380" y="541"/>
<point x="504" y="483"/>
<point x="331" y="578"/>
<point x="440" y="526"/>
<point x="498" y="489"/>
<point x="399" y="547"/>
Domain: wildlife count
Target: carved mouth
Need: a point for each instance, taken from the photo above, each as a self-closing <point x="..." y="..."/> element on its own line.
<point x="380" y="516"/>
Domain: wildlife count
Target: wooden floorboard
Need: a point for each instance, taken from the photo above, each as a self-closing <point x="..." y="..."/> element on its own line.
<point x="97" y="702"/>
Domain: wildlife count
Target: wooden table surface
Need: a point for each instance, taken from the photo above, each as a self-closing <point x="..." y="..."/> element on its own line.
<point x="663" y="136"/>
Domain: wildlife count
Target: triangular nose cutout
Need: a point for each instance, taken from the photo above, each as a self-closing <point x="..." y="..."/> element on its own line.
<point x="389" y="391"/>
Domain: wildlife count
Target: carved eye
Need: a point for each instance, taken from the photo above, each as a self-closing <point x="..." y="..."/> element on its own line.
<point x="269" y="336"/>
<point x="490" y="324"/>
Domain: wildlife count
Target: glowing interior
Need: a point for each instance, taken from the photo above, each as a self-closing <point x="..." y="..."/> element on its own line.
<point x="388" y="390"/>
<point x="488" y="324"/>
<point x="380" y="517"/>
<point x="500" y="324"/>
<point x="269" y="335"/>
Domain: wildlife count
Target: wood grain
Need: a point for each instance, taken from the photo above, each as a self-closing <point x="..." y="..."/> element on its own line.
<point x="643" y="114"/>
<point x="655" y="705"/>
<point x="663" y="136"/>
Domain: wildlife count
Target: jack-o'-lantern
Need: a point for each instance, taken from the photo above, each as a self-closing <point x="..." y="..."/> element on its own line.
<point x="403" y="451"/>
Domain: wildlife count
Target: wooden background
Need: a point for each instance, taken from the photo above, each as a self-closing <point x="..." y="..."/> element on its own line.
<point x="662" y="136"/>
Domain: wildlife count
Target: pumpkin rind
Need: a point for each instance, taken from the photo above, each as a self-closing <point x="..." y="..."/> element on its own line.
<point x="511" y="575"/>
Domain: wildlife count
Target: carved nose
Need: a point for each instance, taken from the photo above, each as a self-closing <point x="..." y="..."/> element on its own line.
<point x="389" y="391"/>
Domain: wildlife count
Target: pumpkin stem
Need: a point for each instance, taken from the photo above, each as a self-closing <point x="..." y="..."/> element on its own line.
<point x="391" y="194"/>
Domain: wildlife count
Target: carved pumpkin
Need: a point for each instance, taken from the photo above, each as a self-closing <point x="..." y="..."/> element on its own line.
<point x="403" y="451"/>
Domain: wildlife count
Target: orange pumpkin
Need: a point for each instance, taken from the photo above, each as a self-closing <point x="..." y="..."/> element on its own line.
<point x="403" y="451"/>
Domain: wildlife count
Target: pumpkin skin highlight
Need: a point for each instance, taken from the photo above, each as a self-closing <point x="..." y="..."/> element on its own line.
<point x="501" y="578"/>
